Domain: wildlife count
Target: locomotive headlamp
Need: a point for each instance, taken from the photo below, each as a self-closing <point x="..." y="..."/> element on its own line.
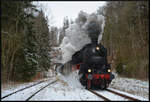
<point x="109" y="70"/>
<point x="97" y="48"/>
<point x="89" y="70"/>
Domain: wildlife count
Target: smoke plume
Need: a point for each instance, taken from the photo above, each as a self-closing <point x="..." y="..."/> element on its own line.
<point x="87" y="28"/>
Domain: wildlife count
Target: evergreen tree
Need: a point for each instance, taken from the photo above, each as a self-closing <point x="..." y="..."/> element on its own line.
<point x="44" y="42"/>
<point x="16" y="29"/>
<point x="126" y="35"/>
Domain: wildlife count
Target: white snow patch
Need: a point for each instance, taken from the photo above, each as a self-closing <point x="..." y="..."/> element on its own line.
<point x="67" y="88"/>
<point x="125" y="93"/>
<point x="133" y="86"/>
<point x="23" y="95"/>
<point x="73" y="80"/>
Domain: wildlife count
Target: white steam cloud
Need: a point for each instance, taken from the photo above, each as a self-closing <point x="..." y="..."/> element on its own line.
<point x="77" y="35"/>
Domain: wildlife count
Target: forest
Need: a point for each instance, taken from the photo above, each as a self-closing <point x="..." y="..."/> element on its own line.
<point x="126" y="36"/>
<point x="26" y="40"/>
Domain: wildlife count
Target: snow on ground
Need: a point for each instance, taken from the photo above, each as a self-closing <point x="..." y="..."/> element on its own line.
<point x="111" y="96"/>
<point x="133" y="86"/>
<point x="69" y="88"/>
<point x="12" y="86"/>
<point x="22" y="94"/>
<point x="60" y="90"/>
<point x="131" y="95"/>
<point x="63" y="91"/>
<point x="73" y="81"/>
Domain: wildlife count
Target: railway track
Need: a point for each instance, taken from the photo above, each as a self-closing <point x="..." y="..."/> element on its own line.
<point x="123" y="95"/>
<point x="40" y="90"/>
<point x="28" y="87"/>
<point x="25" y="88"/>
<point x="114" y="92"/>
<point x="101" y="96"/>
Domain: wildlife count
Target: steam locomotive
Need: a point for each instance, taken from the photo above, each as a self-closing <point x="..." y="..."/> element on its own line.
<point x="94" y="70"/>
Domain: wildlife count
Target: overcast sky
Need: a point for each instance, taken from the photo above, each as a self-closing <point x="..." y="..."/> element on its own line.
<point x="56" y="11"/>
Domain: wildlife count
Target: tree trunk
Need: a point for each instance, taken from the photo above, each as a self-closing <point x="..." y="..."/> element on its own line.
<point x="11" y="64"/>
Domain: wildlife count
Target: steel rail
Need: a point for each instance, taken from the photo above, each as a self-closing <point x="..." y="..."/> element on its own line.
<point x="24" y="88"/>
<point x="101" y="96"/>
<point x="123" y="95"/>
<point x="40" y="90"/>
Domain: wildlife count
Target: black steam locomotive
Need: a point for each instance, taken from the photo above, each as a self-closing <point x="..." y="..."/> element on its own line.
<point x="94" y="70"/>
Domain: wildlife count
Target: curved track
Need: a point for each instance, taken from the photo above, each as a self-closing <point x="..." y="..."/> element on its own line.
<point x="40" y="90"/>
<point x="114" y="92"/>
<point x="28" y="87"/>
<point x="123" y="95"/>
<point x="24" y="88"/>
